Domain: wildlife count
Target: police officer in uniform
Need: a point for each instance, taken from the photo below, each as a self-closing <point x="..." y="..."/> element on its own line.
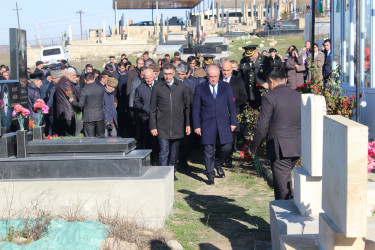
<point x="208" y="60"/>
<point x="253" y="69"/>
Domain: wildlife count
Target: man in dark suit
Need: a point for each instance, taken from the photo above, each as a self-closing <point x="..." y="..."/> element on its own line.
<point x="212" y="121"/>
<point x="327" y="66"/>
<point x="91" y="100"/>
<point x="280" y="120"/>
<point x="39" y="68"/>
<point x="239" y="96"/>
<point x="169" y="115"/>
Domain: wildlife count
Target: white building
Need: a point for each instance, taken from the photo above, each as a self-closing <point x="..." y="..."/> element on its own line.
<point x="344" y="40"/>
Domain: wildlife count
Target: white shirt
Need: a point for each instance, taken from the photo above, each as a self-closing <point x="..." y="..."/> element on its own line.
<point x="227" y="79"/>
<point x="212" y="88"/>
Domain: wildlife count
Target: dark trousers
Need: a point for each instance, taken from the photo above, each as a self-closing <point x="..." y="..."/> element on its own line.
<point x="94" y="129"/>
<point x="229" y="160"/>
<point x="213" y="160"/>
<point x="168" y="152"/>
<point x="65" y="127"/>
<point x="282" y="180"/>
<point x="49" y="129"/>
<point x="184" y="150"/>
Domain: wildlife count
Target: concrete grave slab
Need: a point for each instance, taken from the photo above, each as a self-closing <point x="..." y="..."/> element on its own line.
<point x="147" y="200"/>
<point x="313" y="109"/>
<point x="345" y="174"/>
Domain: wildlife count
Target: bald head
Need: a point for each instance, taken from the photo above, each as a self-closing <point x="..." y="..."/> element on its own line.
<point x="227" y="69"/>
<point x="149" y="76"/>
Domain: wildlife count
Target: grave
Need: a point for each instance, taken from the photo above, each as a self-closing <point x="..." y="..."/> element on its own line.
<point x="92" y="176"/>
<point x="340" y="220"/>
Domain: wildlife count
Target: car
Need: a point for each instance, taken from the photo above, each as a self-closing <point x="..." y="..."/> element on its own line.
<point x="144" y="23"/>
<point x="53" y="55"/>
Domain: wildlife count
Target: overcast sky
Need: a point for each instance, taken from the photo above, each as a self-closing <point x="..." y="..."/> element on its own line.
<point x="53" y="17"/>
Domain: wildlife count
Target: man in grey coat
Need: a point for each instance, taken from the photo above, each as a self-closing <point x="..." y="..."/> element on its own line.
<point x="280" y="120"/>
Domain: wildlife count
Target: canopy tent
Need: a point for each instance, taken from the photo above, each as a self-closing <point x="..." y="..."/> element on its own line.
<point x="150" y="4"/>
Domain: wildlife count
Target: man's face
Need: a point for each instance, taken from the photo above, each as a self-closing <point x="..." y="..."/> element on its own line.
<point x="104" y="79"/>
<point x="192" y="64"/>
<point x="140" y="64"/>
<point x="182" y="75"/>
<point x="273" y="54"/>
<point x="149" y="77"/>
<point x="177" y="57"/>
<point x="89" y="70"/>
<point x="40" y="66"/>
<point x="156" y="74"/>
<point x="49" y="78"/>
<point x="168" y="58"/>
<point x="145" y="57"/>
<point x="6" y="75"/>
<point x="227" y="69"/>
<point x="72" y="76"/>
<point x="3" y="69"/>
<point x="213" y="75"/>
<point x="121" y="69"/>
<point x="198" y="55"/>
<point x="327" y="46"/>
<point x="234" y="66"/>
<point x="176" y="63"/>
<point x="122" y="57"/>
<point x="112" y="60"/>
<point x="254" y="57"/>
<point x="168" y="75"/>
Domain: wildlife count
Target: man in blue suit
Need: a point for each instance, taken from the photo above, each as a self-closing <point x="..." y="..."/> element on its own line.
<point x="214" y="119"/>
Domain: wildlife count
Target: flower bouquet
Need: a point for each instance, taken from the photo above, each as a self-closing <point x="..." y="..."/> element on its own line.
<point x="48" y="137"/>
<point x="31" y="123"/>
<point x="245" y="151"/>
<point x="371" y="156"/>
<point x="69" y="94"/>
<point x="20" y="113"/>
<point x="41" y="108"/>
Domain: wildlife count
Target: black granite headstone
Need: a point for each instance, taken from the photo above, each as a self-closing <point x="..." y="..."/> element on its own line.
<point x="21" y="143"/>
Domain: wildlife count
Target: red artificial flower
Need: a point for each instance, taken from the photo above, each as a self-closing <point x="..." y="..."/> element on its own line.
<point x="309" y="82"/>
<point x="316" y="91"/>
<point x="335" y="92"/>
<point x="48" y="137"/>
<point x="256" y="85"/>
<point x="345" y="104"/>
<point x="55" y="136"/>
<point x="352" y="97"/>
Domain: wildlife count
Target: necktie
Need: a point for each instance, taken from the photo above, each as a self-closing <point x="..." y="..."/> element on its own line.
<point x="214" y="92"/>
<point x="150" y="86"/>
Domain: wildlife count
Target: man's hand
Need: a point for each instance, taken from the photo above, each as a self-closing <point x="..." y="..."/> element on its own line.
<point x="251" y="154"/>
<point x="198" y="131"/>
<point x="265" y="85"/>
<point x="154" y="132"/>
<point x="297" y="66"/>
<point x="232" y="128"/>
<point x="71" y="100"/>
<point x="188" y="130"/>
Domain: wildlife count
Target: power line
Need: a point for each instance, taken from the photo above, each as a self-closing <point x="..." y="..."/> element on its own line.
<point x="18" y="17"/>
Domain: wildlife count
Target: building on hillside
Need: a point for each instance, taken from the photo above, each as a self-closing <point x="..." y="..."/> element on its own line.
<point x="344" y="40"/>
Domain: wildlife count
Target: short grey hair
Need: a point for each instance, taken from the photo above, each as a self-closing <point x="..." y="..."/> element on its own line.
<point x="223" y="60"/>
<point x="212" y="66"/>
<point x="69" y="70"/>
<point x="181" y="67"/>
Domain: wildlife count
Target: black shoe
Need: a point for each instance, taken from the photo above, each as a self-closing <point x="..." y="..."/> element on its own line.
<point x="229" y="165"/>
<point x="211" y="181"/>
<point x="184" y="164"/>
<point x="220" y="172"/>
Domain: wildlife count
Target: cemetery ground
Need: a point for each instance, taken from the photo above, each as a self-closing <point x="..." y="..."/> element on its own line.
<point x="231" y="214"/>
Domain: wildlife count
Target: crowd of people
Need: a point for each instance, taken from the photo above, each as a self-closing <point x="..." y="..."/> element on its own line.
<point x="170" y="103"/>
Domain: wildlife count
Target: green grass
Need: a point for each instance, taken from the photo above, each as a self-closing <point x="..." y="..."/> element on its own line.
<point x="231" y="214"/>
<point x="283" y="43"/>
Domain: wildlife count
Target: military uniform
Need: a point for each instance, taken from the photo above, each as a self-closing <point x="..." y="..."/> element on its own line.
<point x="254" y="74"/>
<point x="208" y="60"/>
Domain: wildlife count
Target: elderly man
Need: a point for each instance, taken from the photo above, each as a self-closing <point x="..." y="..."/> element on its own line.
<point x="240" y="97"/>
<point x="142" y="108"/>
<point x="280" y="120"/>
<point x="214" y="119"/>
<point x="64" y="110"/>
<point x="33" y="94"/>
<point x="50" y="100"/>
<point x="169" y="115"/>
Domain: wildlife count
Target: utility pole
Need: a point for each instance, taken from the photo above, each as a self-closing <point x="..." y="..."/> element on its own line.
<point x="80" y="12"/>
<point x="312" y="29"/>
<point x="18" y="17"/>
<point x="37" y="28"/>
<point x="357" y="57"/>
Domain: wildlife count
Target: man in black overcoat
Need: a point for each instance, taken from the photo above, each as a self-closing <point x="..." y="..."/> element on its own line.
<point x="169" y="115"/>
<point x="239" y="96"/>
<point x="280" y="121"/>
